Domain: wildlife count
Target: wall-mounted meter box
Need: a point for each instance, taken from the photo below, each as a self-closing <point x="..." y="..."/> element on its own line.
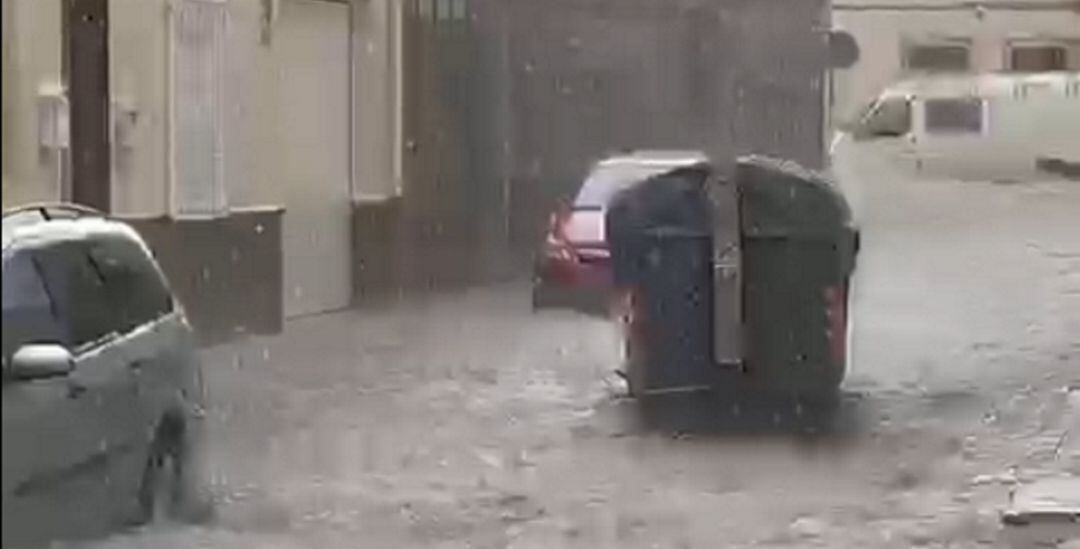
<point x="53" y="118"/>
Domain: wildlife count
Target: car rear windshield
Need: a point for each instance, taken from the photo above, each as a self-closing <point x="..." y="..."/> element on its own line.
<point x="606" y="181"/>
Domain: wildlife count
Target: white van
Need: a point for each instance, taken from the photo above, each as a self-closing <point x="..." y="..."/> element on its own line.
<point x="999" y="126"/>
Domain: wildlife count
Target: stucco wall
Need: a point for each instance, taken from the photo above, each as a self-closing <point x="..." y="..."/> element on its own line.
<point x="139" y="65"/>
<point x="140" y="74"/>
<point x="32" y="60"/>
<point x="374" y="90"/>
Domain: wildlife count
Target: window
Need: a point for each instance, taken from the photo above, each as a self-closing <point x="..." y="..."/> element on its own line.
<point x="954" y="115"/>
<point x="198" y="102"/>
<point x="938" y="58"/>
<point x="1037" y="58"/>
<point x="77" y="288"/>
<point x="135" y="287"/>
<point x="605" y="182"/>
<point x="28" y="312"/>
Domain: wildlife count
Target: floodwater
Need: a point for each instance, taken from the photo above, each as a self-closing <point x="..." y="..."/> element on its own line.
<point x="465" y="420"/>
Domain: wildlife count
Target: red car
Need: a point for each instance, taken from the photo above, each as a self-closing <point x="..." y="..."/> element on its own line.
<point x="573" y="268"/>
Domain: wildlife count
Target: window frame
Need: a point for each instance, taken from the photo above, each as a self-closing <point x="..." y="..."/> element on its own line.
<point x="1013" y="45"/>
<point x="911" y="46"/>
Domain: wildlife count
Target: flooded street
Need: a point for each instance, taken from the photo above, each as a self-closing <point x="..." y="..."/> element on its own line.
<point x="297" y="274"/>
<point x="465" y="420"/>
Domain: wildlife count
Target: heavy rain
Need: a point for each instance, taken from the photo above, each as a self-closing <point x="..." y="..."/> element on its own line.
<point x="503" y="274"/>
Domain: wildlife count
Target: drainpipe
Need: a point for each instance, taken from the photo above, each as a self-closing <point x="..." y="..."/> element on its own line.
<point x="353" y="11"/>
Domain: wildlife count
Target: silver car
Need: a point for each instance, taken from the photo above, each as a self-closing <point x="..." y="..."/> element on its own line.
<point x="102" y="386"/>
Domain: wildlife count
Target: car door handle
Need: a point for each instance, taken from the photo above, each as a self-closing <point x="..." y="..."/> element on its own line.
<point x="135" y="365"/>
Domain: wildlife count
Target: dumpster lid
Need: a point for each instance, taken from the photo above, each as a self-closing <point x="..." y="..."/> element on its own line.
<point x="781" y="196"/>
<point x="670" y="200"/>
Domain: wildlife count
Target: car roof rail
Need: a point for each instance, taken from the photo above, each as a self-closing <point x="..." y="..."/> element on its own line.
<point x="49" y="210"/>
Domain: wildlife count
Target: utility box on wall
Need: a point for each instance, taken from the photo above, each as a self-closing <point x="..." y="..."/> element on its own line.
<point x="53" y="119"/>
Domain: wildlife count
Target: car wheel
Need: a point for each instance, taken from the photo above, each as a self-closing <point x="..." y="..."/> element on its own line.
<point x="161" y="489"/>
<point x="157" y="491"/>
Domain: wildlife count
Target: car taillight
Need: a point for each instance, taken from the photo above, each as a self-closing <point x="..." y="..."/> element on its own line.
<point x="836" y="315"/>
<point x="563" y="253"/>
<point x="557" y="246"/>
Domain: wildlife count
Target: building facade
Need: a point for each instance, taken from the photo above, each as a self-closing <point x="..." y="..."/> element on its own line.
<point x="900" y="39"/>
<point x="237" y="135"/>
<point x="292" y="157"/>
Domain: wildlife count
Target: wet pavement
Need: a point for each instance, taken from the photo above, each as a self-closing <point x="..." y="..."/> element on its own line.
<point x="465" y="420"/>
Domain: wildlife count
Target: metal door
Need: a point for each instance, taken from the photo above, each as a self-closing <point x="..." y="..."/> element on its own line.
<point x="440" y="207"/>
<point x="86" y="71"/>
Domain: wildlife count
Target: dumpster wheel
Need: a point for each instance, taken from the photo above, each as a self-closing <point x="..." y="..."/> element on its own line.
<point x="634" y="369"/>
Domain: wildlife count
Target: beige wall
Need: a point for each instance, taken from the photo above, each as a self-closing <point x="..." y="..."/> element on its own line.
<point x="253" y="117"/>
<point x="252" y="122"/>
<point x="880" y="34"/>
<point x="375" y="95"/>
<point x="140" y="75"/>
<point x="139" y="65"/>
<point x="31" y="50"/>
<point x="309" y="54"/>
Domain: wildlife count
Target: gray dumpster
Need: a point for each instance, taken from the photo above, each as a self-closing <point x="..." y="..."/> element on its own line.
<point x="736" y="286"/>
<point x="798" y="255"/>
<point x="659" y="236"/>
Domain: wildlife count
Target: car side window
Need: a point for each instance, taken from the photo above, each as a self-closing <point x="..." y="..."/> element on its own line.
<point x="78" y="291"/>
<point x="954" y="116"/>
<point x="29" y="315"/>
<point x="134" y="285"/>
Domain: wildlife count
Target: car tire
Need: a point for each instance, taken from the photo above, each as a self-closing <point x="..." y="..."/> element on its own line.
<point x="162" y="493"/>
<point x="156" y="496"/>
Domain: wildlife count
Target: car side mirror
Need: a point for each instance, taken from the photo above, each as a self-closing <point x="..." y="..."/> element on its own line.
<point x="40" y="361"/>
